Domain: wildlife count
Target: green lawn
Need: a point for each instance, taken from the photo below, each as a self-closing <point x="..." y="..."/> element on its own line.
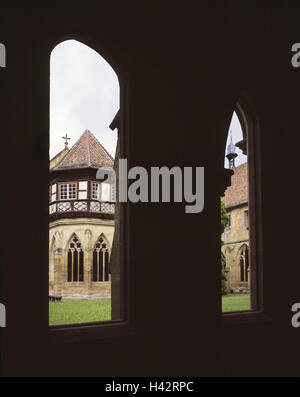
<point x="86" y="311"/>
<point x="81" y="311"/>
<point x="235" y="302"/>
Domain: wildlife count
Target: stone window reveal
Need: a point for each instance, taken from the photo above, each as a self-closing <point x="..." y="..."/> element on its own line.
<point x="84" y="215"/>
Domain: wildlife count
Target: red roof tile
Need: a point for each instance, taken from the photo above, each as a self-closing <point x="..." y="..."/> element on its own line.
<point x="86" y="152"/>
<point x="237" y="193"/>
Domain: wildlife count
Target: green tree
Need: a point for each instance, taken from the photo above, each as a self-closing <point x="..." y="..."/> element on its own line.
<point x="224" y="223"/>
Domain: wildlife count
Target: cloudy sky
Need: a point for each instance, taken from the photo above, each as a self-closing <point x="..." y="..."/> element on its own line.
<point x="84" y="94"/>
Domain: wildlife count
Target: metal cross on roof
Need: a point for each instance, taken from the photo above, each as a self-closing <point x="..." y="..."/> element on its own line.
<point x="66" y="140"/>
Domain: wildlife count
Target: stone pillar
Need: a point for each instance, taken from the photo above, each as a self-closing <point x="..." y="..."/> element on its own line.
<point x="56" y="256"/>
<point x="227" y="275"/>
<point x="58" y="272"/>
<point x="88" y="261"/>
<point x="249" y="278"/>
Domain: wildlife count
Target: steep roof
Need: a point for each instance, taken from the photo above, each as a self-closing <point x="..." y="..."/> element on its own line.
<point x="58" y="157"/>
<point x="86" y="152"/>
<point x="237" y="193"/>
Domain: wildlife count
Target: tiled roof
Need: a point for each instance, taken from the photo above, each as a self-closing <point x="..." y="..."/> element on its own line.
<point x="86" y="152"/>
<point x="237" y="193"/>
<point x="58" y="157"/>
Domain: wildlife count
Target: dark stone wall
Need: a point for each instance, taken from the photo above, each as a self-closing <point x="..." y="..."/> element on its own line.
<point x="182" y="68"/>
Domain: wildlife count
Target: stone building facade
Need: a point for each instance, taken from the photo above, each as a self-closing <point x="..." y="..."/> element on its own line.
<point x="81" y="222"/>
<point x="236" y="258"/>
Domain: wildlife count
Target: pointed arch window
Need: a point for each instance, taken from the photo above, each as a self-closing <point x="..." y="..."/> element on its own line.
<point x="75" y="260"/>
<point x="244" y="263"/>
<point x="100" y="260"/>
<point x="52" y="262"/>
<point x="243" y="201"/>
<point x="85" y="257"/>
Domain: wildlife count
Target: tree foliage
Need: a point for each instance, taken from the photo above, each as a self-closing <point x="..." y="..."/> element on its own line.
<point x="224" y="223"/>
<point x="224" y="219"/>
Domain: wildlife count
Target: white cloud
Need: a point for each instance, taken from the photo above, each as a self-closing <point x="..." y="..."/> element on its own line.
<point x="84" y="94"/>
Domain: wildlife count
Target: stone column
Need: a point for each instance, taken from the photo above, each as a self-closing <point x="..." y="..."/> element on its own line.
<point x="227" y="275"/>
<point x="58" y="272"/>
<point x="88" y="261"/>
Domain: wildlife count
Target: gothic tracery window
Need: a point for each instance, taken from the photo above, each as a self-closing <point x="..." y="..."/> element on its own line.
<point x="238" y="198"/>
<point x="244" y="263"/>
<point x="75" y="260"/>
<point x="100" y="260"/>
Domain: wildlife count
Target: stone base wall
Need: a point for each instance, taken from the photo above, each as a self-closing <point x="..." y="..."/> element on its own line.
<point x="233" y="273"/>
<point x="88" y="230"/>
<point x="82" y="290"/>
<point x="235" y="237"/>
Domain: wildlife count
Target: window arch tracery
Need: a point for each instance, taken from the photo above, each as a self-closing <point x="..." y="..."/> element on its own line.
<point x="75" y="258"/>
<point x="101" y="260"/>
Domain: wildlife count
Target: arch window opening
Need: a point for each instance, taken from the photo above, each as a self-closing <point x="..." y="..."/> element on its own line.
<point x="75" y="261"/>
<point x="84" y="253"/>
<point x="101" y="261"/>
<point x="235" y="233"/>
<point x="244" y="263"/>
